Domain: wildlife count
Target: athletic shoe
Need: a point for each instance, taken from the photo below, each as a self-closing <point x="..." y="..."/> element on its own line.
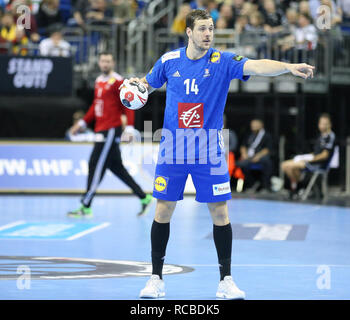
<point x="81" y="212"/>
<point x="154" y="289"/>
<point x="227" y="289"/>
<point x="145" y="204"/>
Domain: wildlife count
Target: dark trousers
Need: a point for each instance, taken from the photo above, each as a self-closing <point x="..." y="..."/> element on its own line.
<point x="106" y="155"/>
<point x="264" y="166"/>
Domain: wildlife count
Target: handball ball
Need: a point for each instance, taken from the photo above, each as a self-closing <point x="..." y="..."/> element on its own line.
<point x="133" y="95"/>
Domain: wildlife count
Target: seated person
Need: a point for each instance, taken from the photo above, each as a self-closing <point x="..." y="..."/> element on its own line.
<point x="255" y="154"/>
<point x="55" y="45"/>
<point x="319" y="159"/>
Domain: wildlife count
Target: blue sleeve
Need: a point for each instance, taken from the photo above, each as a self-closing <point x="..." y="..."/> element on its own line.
<point x="235" y="64"/>
<point x="157" y="77"/>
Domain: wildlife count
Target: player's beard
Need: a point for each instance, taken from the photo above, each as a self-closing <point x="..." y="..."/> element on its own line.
<point x="199" y="46"/>
<point x="106" y="72"/>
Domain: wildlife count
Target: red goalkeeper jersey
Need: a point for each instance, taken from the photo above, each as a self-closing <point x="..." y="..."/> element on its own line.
<point x="106" y="109"/>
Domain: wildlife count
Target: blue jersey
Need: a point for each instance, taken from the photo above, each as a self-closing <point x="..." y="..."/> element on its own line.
<point x="196" y="94"/>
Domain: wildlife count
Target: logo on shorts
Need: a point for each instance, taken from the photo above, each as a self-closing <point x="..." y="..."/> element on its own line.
<point x="161" y="184"/>
<point x="222" y="188"/>
<point x="190" y="115"/>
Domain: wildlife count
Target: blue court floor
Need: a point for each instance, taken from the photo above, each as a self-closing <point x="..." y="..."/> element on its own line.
<point x="281" y="250"/>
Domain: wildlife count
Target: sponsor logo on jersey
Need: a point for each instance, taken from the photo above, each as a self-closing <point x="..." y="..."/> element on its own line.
<point x="222" y="188"/>
<point x="215" y="57"/>
<point x="206" y="73"/>
<point x="237" y="58"/>
<point x="161" y="184"/>
<point x="190" y="115"/>
<point x="171" y="55"/>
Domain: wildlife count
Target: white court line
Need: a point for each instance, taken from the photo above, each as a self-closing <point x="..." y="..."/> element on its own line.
<point x="10" y="225"/>
<point x="83" y="233"/>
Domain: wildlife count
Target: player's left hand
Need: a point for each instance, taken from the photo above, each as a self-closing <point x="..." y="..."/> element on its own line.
<point x="302" y="70"/>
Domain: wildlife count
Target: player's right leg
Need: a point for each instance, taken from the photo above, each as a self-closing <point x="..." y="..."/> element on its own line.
<point x="160" y="231"/>
<point x="169" y="185"/>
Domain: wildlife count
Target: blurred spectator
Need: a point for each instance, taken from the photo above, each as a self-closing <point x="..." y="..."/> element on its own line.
<point x="179" y="24"/>
<point x="99" y="13"/>
<point x="20" y="43"/>
<point x="226" y="12"/>
<point x="7" y="31"/>
<point x="303" y="40"/>
<point x="291" y="20"/>
<point x="306" y="33"/>
<point x="319" y="159"/>
<point x="55" y="45"/>
<point x="255" y="22"/>
<point x="178" y="27"/>
<point x="272" y="16"/>
<point x="241" y="24"/>
<point x="32" y="31"/>
<point x="287" y="41"/>
<point x="344" y="6"/>
<point x="255" y="154"/>
<point x="48" y="15"/>
<point x="123" y="11"/>
<point x="221" y="39"/>
<point x="256" y="36"/>
<point x="12" y="37"/>
<point x="79" y="11"/>
<point x="248" y="8"/>
<point x="199" y="4"/>
<point x="237" y="8"/>
<point x="304" y="7"/>
<point x="213" y="10"/>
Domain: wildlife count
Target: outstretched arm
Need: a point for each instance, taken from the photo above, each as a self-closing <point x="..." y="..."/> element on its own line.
<point x="271" y="68"/>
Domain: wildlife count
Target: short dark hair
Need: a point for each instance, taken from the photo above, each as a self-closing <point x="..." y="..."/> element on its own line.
<point x="325" y="115"/>
<point x="105" y="53"/>
<point x="194" y="15"/>
<point x="306" y="15"/>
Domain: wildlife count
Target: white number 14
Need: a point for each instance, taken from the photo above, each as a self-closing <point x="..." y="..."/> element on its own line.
<point x="194" y="87"/>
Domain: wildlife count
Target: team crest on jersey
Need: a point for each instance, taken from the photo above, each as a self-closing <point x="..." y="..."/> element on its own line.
<point x="237" y="58"/>
<point x="111" y="80"/>
<point x="161" y="184"/>
<point x="190" y="115"/>
<point x="215" y="57"/>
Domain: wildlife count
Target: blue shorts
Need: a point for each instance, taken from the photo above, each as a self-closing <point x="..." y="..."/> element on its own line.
<point x="212" y="182"/>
